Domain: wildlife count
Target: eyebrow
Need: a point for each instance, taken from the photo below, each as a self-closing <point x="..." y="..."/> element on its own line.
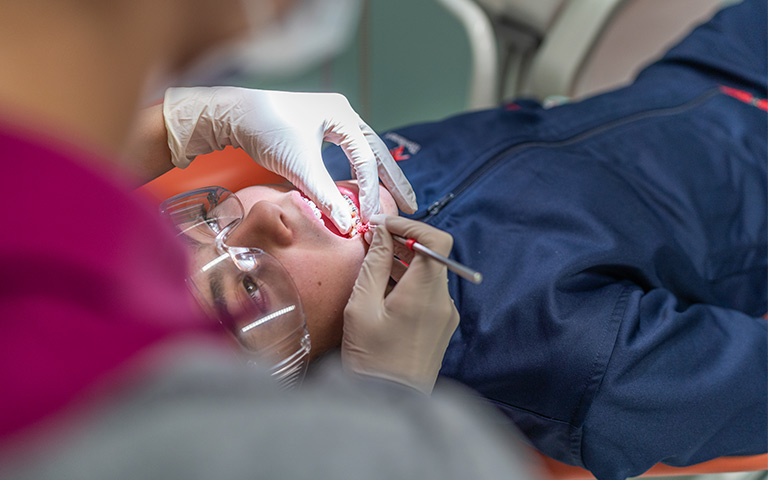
<point x="196" y="244"/>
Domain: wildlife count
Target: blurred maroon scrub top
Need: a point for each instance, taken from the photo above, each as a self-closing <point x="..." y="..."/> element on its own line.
<point x="91" y="278"/>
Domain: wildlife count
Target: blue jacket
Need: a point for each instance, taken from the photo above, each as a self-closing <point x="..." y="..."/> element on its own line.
<point x="623" y="244"/>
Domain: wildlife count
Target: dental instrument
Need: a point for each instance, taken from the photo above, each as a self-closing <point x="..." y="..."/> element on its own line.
<point x="459" y="269"/>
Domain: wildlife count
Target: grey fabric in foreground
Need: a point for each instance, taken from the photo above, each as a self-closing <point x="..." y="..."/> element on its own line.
<point x="201" y="417"/>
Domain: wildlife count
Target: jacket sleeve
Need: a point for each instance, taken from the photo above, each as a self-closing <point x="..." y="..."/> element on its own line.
<point x="687" y="382"/>
<point x="682" y="386"/>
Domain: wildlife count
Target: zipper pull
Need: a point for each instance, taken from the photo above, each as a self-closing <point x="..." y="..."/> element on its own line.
<point x="438" y="205"/>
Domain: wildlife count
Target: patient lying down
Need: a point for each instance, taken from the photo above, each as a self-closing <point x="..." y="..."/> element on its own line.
<point x="322" y="262"/>
<point x="622" y="249"/>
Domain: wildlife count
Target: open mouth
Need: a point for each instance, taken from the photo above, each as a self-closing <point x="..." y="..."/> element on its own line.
<point x="357" y="228"/>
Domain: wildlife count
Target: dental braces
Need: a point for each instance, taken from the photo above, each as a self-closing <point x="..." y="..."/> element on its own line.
<point x="359" y="227"/>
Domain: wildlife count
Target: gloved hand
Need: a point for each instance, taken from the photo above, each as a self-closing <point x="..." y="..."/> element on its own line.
<point x="403" y="336"/>
<point x="284" y="132"/>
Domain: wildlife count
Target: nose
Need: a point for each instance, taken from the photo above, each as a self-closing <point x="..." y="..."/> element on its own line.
<point x="262" y="227"/>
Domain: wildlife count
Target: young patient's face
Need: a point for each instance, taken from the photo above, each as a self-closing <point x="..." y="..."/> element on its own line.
<point x="323" y="264"/>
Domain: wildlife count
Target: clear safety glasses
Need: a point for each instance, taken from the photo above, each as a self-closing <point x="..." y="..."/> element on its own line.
<point x="244" y="288"/>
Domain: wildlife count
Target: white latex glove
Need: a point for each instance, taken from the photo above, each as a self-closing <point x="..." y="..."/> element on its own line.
<point x="284" y="132"/>
<point x="403" y="336"/>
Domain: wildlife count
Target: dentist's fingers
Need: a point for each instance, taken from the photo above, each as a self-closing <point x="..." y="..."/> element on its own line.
<point x="389" y="172"/>
<point x="398" y="269"/>
<point x="374" y="275"/>
<point x="318" y="185"/>
<point x="284" y="132"/>
<point x="353" y="142"/>
<point x="403" y="253"/>
<point x="423" y="272"/>
<point x="402" y="337"/>
<point x="437" y="240"/>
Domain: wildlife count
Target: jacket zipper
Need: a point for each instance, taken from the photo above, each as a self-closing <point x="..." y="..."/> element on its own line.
<point x="437" y="206"/>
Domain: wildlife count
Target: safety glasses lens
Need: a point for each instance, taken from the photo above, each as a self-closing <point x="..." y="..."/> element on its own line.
<point x="244" y="288"/>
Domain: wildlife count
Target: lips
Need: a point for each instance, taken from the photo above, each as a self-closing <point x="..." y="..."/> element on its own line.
<point x="352" y="194"/>
<point x="330" y="226"/>
<point x="315" y="211"/>
<point x="347" y="192"/>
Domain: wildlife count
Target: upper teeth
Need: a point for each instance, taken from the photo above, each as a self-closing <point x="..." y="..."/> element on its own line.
<point x="316" y="211"/>
<point x="352" y="205"/>
<point x="356" y="217"/>
<point x="355" y="213"/>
